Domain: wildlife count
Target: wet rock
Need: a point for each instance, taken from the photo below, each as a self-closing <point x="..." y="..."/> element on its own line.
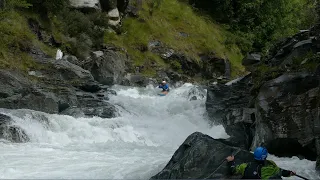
<point x="72" y="74"/>
<point x="72" y="59"/>
<point x="17" y="92"/>
<point x="174" y="76"/>
<point x="10" y="132"/>
<point x="55" y="90"/>
<point x="214" y="66"/>
<point x="287" y="115"/>
<point x="90" y="105"/>
<point x="285" y="52"/>
<point x="230" y="106"/>
<point x="202" y="157"/>
<point x="135" y="80"/>
<point x="251" y="59"/>
<point x="69" y="71"/>
<point x="108" y="69"/>
<point x="92" y="87"/>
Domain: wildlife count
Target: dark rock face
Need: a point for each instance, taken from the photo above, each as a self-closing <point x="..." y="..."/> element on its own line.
<point x="17" y="92"/>
<point x="287" y="111"/>
<point x="72" y="59"/>
<point x="201" y="157"/>
<point x="215" y="67"/>
<point x="57" y="87"/>
<point x="107" y="68"/>
<point x="284" y="52"/>
<point x="210" y="67"/>
<point x="11" y="132"/>
<point x="91" y="105"/>
<point x="230" y="106"/>
<point x="136" y="80"/>
<point x="279" y="108"/>
<point x="251" y="59"/>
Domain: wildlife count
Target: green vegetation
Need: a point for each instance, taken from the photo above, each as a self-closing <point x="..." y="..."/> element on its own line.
<point x="76" y="31"/>
<point x="15" y="40"/>
<point x="260" y="22"/>
<point x="163" y="21"/>
<point x="245" y="26"/>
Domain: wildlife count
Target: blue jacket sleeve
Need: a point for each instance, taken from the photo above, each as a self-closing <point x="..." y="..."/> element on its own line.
<point x="165" y="87"/>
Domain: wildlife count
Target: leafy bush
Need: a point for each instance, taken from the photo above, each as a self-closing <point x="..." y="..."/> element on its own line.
<point x="80" y="32"/>
<point x="266" y="20"/>
<point x="48" y="6"/>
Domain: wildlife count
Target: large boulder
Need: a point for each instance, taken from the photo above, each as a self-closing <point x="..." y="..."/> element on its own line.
<point x="230" y="105"/>
<point x="287" y="118"/>
<point x="288" y="51"/>
<point x="10" y="132"/>
<point x="57" y="86"/>
<point x="86" y="4"/>
<point x="108" y="67"/>
<point x="250" y="59"/>
<point x="213" y="66"/>
<point x="91" y="105"/>
<point x="202" y="157"/>
<point x="115" y="9"/>
<point x="17" y="92"/>
<point x="135" y="80"/>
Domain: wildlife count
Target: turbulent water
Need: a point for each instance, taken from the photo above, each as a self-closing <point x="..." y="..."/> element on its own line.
<point x="135" y="145"/>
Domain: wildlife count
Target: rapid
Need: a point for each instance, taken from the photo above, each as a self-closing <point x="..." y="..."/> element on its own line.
<point x="135" y="145"/>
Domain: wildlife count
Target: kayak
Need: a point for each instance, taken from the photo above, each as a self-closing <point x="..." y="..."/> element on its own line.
<point x="163" y="93"/>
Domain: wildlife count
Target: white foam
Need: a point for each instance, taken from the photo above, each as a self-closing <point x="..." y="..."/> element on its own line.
<point x="136" y="145"/>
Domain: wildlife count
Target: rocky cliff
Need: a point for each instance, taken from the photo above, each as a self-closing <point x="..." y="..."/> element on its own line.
<point x="277" y="105"/>
<point x="202" y="157"/>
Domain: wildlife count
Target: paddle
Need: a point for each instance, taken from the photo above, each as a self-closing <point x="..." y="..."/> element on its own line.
<point x="301" y="177"/>
<point x="233" y="154"/>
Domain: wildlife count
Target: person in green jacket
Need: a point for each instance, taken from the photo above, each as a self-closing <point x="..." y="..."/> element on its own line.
<point x="258" y="169"/>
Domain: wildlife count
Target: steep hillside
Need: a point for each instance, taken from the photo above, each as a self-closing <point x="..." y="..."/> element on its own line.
<point x="158" y="36"/>
<point x="173" y="25"/>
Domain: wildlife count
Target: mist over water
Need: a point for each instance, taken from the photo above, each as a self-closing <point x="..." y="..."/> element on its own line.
<point x="135" y="145"/>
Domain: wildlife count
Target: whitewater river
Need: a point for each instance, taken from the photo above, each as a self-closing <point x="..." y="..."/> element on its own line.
<point x="135" y="145"/>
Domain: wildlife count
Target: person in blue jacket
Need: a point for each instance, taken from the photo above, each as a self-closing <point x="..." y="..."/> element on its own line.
<point x="164" y="86"/>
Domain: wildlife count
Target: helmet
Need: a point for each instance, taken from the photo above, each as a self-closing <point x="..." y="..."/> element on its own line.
<point x="260" y="153"/>
<point x="163" y="82"/>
